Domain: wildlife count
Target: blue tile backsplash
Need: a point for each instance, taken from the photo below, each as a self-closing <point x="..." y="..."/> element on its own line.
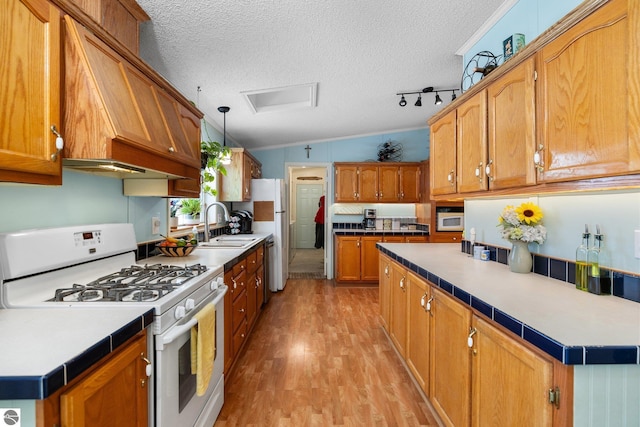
<point x="624" y="285"/>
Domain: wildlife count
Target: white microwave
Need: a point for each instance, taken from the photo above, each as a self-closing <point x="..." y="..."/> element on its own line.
<point x="450" y="221"/>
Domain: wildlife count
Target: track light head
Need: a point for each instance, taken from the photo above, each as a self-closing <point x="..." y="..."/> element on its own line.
<point x="419" y="101"/>
<point x="438" y="99"/>
<point x="403" y="101"/>
<point x="453" y="95"/>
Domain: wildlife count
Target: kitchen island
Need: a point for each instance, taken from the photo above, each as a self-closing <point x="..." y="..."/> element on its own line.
<point x="596" y="338"/>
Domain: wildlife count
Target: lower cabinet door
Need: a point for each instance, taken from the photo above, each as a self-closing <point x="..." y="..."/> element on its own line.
<point x="510" y="382"/>
<point x="450" y="382"/>
<point x="417" y="355"/>
<point x="116" y="394"/>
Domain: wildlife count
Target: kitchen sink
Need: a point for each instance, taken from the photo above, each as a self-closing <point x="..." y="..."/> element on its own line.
<point x="235" y="242"/>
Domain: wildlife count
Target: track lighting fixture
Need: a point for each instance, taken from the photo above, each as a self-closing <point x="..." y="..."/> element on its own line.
<point x="429" y="89"/>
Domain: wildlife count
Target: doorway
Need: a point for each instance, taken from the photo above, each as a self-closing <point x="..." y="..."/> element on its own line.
<point x="307" y="183"/>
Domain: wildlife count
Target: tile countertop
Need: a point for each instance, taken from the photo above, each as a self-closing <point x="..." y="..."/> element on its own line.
<point x="212" y="256"/>
<point x="572" y="326"/>
<point x="45" y="348"/>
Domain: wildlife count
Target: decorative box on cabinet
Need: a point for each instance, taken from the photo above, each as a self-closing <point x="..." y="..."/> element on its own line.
<point x="31" y="80"/>
<point x="236" y="185"/>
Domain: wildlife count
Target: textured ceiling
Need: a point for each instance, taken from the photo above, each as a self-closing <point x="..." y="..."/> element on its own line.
<point x="361" y="53"/>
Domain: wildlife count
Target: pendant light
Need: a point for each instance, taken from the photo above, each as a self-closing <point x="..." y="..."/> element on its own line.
<point x="226" y="160"/>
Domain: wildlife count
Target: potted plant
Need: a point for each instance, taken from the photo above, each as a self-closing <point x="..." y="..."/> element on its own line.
<point x="212" y="160"/>
<point x="191" y="210"/>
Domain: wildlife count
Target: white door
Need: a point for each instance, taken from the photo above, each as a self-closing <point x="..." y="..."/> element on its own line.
<point x="307" y="199"/>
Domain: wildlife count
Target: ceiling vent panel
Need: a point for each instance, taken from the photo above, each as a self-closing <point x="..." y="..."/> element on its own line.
<point x="282" y="98"/>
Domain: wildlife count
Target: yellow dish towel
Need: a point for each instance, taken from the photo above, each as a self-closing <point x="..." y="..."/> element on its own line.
<point x="203" y="347"/>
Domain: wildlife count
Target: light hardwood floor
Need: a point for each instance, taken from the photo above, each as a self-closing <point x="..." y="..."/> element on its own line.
<point x="319" y="357"/>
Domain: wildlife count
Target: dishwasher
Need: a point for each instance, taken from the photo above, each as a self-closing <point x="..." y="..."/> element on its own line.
<point x="268" y="268"/>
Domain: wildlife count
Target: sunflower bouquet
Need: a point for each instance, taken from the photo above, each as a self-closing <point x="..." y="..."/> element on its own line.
<point x="523" y="223"/>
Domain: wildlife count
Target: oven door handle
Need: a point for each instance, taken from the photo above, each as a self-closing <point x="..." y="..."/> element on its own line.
<point x="179" y="329"/>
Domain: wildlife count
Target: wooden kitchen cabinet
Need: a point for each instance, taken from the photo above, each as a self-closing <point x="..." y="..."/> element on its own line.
<point x="510" y="381"/>
<point x="31" y="87"/>
<point x="512" y="124"/>
<point x="120" y="18"/>
<point x="115" y="394"/>
<point x="471" y="138"/>
<point x="581" y="135"/>
<point x="442" y="162"/>
<point x="496" y="380"/>
<point x="236" y="185"/>
<point x="376" y="183"/>
<point x="357" y="258"/>
<point x="398" y="312"/>
<point x="348" y="257"/>
<point x="418" y="325"/>
<point x="416" y="239"/>
<point x="116" y="112"/>
<point x="450" y="364"/>
<point x="384" y="290"/>
<point x="243" y="302"/>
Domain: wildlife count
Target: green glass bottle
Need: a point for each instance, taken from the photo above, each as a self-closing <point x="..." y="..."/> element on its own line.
<point x="582" y="263"/>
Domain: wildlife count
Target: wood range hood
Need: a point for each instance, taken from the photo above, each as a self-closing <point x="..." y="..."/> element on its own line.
<point x="121" y="119"/>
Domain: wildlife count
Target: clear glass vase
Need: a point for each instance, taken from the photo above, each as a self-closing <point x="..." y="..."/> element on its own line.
<point x="520" y="260"/>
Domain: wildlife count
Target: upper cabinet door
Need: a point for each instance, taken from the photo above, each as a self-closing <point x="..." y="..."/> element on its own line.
<point x="472" y="144"/>
<point x="388" y="184"/>
<point x="442" y="147"/>
<point x="368" y="183"/>
<point x="30" y="86"/>
<point x="410" y="183"/>
<point x="512" y="134"/>
<point x="346" y="183"/>
<point x="583" y="83"/>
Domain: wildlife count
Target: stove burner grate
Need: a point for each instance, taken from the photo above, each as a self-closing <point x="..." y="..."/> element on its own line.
<point x="132" y="284"/>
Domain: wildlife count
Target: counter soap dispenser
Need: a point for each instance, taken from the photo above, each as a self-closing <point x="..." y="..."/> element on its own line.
<point x="598" y="278"/>
<point x="582" y="262"/>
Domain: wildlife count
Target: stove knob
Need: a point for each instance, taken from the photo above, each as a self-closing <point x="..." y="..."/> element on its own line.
<point x="180" y="312"/>
<point x="189" y="304"/>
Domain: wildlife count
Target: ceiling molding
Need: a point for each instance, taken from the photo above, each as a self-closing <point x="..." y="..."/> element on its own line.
<point x="489" y="23"/>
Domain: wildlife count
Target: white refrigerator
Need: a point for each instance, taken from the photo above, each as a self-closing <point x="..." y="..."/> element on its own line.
<point x="271" y="218"/>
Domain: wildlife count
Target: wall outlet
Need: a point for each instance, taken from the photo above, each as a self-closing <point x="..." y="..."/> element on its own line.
<point x="636" y="244"/>
<point x="155" y="225"/>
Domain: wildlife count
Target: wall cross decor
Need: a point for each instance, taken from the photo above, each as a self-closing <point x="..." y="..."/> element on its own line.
<point x="308" y="149"/>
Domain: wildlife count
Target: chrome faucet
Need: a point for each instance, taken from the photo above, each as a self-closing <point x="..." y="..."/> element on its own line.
<point x="206" y="217"/>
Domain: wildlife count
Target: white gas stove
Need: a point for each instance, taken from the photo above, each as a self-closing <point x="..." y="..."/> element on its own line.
<point x="95" y="266"/>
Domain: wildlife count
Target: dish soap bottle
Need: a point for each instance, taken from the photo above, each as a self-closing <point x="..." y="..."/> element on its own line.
<point x="582" y="262"/>
<point x="598" y="279"/>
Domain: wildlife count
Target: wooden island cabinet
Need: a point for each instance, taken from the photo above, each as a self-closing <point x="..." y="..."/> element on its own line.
<point x="473" y="371"/>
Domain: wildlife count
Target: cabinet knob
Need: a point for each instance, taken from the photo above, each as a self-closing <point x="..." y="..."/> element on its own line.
<point x="451" y="177"/>
<point x="402" y="282"/>
<point x="537" y="158"/>
<point x="487" y="170"/>
<point x="59" y="143"/>
<point x="172" y="150"/>
<point x="472" y="332"/>
<point x="242" y="310"/>
<point x="479" y="171"/>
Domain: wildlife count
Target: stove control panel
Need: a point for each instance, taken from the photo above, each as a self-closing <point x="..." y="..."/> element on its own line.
<point x="87" y="238"/>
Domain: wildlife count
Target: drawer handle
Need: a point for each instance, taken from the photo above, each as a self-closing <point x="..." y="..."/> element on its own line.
<point x="487" y="170"/>
<point x="59" y="143"/>
<point x="472" y="332"/>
